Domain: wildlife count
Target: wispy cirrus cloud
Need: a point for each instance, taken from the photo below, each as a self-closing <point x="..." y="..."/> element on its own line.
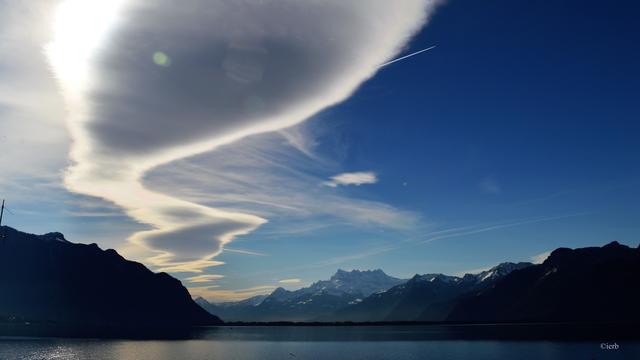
<point x="352" y="178"/>
<point x="244" y="252"/>
<point x="238" y="68"/>
<point x="265" y="176"/>
<point x="357" y="256"/>
<point x="290" y="281"/>
<point x="490" y="185"/>
<point x="450" y="233"/>
<point x="204" y="278"/>
<point x="472" y="230"/>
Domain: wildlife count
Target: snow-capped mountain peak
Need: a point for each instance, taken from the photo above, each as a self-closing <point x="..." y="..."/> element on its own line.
<point x="500" y="270"/>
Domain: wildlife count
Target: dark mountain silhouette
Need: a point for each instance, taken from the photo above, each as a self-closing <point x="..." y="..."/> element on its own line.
<point x="47" y="279"/>
<point x="427" y="297"/>
<point x="596" y="284"/>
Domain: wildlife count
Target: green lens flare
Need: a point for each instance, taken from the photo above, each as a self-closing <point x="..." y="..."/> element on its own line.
<point x="161" y="59"/>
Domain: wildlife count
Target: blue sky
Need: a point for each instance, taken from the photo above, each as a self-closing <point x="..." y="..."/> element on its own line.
<point x="516" y="135"/>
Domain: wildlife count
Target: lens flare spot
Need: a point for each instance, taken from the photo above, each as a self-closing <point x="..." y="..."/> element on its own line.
<point x="161" y="59"/>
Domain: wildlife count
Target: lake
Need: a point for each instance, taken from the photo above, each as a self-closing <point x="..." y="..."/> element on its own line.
<point x="347" y="342"/>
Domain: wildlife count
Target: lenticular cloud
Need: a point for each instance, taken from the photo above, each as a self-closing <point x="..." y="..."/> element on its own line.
<point x="162" y="80"/>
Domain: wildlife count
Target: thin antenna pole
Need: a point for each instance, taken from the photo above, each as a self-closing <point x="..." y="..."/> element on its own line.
<point x="3" y="235"/>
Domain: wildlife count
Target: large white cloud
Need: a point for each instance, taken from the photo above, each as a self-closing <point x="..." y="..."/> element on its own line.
<point x="33" y="139"/>
<point x="223" y="70"/>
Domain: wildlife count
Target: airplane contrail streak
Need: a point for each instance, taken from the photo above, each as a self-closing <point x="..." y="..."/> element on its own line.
<point x="407" y="56"/>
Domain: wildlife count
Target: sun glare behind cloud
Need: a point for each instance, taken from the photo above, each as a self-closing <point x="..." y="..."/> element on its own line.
<point x="123" y="68"/>
<point x="80" y="28"/>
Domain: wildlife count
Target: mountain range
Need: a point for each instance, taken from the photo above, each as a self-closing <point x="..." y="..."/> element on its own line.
<point x="427" y="297"/>
<point x="316" y="302"/>
<point x="47" y="279"/>
<point x="593" y="284"/>
<point x="358" y="295"/>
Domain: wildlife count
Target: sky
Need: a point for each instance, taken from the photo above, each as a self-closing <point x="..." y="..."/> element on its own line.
<point x="246" y="145"/>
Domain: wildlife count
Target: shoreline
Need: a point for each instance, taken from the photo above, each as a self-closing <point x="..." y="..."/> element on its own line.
<point x="289" y="331"/>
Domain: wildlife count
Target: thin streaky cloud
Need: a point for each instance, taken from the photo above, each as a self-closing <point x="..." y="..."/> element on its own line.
<point x="300" y="141"/>
<point x="445" y="234"/>
<point x="244" y="252"/>
<point x="440" y="234"/>
<point x="500" y="226"/>
<point x="249" y="175"/>
<point x="290" y="281"/>
<point x="356" y="256"/>
<point x="408" y="56"/>
<point x="490" y="185"/>
<point x="204" y="278"/>
<point x="331" y="262"/>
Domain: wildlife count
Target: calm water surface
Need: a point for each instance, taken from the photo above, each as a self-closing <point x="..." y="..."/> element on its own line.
<point x="335" y="343"/>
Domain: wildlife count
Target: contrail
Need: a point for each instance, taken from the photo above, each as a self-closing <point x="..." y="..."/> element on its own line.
<point x="407" y="56"/>
<point x="501" y="226"/>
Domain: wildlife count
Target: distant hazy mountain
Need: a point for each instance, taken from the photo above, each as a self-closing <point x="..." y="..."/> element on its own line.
<point x="355" y="282"/>
<point x="363" y="296"/>
<point x="231" y="311"/>
<point x="588" y="284"/>
<point x="427" y="297"/>
<point x="45" y="278"/>
<point x="318" y="301"/>
<point x="252" y="301"/>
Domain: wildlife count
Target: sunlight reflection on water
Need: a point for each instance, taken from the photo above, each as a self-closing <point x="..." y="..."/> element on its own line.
<point x="269" y="343"/>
